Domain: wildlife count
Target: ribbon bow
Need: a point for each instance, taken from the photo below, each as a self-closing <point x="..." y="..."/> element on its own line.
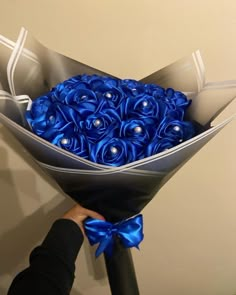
<point x="129" y="231"/>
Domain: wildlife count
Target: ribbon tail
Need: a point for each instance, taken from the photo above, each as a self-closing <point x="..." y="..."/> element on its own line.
<point x="106" y="245"/>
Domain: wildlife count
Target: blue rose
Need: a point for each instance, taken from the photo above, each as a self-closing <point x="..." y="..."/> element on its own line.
<point x="68" y="140"/>
<point x="144" y="106"/>
<point x="37" y="117"/>
<point x="84" y="101"/>
<point x="89" y="78"/>
<point x="100" y="125"/>
<point x="79" y="98"/>
<point x="79" y="95"/>
<point x="112" y="96"/>
<point x="176" y="99"/>
<point x="68" y="92"/>
<point x="177" y="114"/>
<point x="113" y="152"/>
<point x="112" y="82"/>
<point x="40" y="106"/>
<point x="95" y="81"/>
<point x="175" y="129"/>
<point x="137" y="132"/>
<point x="134" y="129"/>
<point x="61" y="90"/>
<point x="51" y="116"/>
<point x="159" y="145"/>
<point x="132" y="87"/>
<point x="155" y="90"/>
<point x="59" y="113"/>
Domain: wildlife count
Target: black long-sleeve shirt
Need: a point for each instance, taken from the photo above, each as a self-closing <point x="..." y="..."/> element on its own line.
<point x="52" y="265"/>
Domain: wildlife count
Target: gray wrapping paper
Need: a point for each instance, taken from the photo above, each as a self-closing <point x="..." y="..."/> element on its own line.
<point x="28" y="69"/>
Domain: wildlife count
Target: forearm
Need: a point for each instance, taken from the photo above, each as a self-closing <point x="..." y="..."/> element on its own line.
<point x="52" y="264"/>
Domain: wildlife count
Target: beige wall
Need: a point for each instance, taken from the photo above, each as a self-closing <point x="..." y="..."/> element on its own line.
<point x="190" y="227"/>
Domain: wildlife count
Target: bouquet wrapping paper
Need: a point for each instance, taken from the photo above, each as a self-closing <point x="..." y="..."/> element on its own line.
<point x="28" y="69"/>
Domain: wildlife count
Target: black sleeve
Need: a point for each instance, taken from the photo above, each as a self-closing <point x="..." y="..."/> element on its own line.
<point x="52" y="265"/>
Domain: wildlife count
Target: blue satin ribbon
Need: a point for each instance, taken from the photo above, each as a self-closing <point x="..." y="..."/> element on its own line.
<point x="129" y="231"/>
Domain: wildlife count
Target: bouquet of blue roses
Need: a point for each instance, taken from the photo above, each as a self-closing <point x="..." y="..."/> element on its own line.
<point x="109" y="143"/>
<point x="111" y="121"/>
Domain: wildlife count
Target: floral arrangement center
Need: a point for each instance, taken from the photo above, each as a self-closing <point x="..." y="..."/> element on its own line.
<point x="111" y="121"/>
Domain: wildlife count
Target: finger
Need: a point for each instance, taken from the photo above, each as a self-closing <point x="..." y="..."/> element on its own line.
<point x="94" y="214"/>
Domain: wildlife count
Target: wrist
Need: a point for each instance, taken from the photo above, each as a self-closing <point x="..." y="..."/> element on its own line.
<point x="78" y="221"/>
